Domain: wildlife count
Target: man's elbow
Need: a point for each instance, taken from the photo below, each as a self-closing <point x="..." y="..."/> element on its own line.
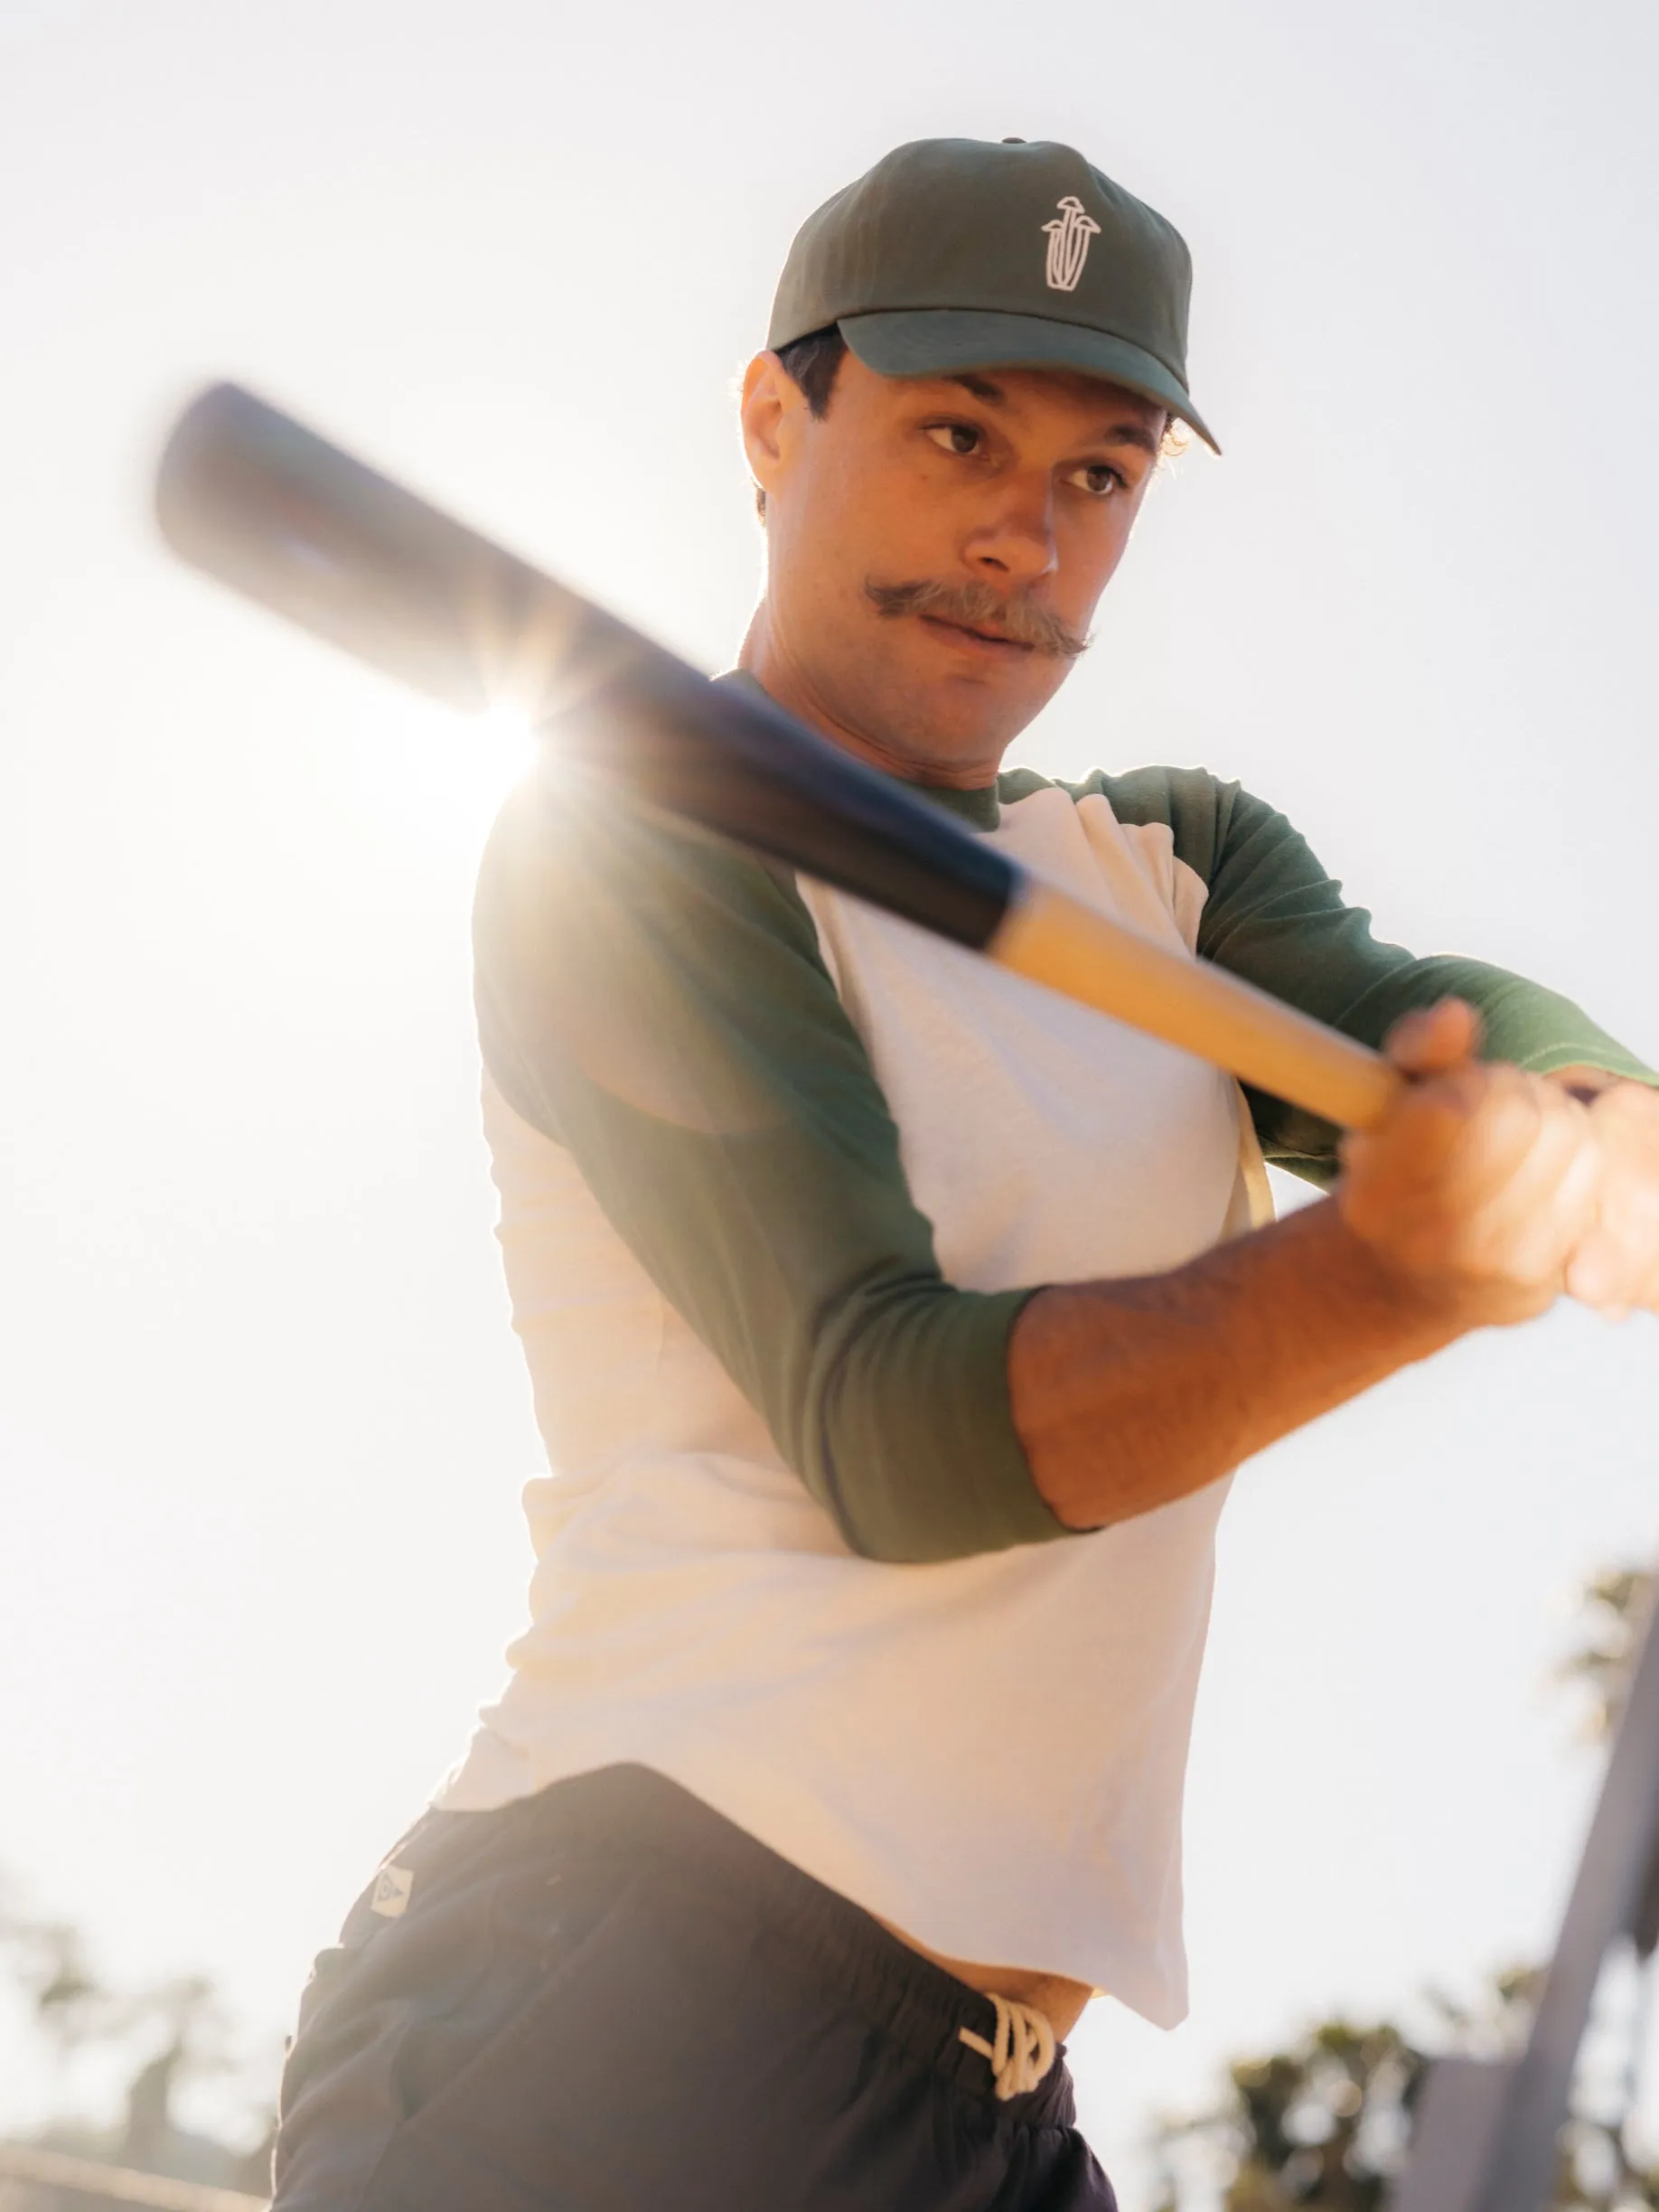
<point x="907" y="1430"/>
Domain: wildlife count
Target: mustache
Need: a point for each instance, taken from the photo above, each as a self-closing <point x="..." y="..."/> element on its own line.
<point x="979" y="606"/>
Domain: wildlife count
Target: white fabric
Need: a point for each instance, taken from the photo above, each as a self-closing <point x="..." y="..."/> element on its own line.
<point x="987" y="1753"/>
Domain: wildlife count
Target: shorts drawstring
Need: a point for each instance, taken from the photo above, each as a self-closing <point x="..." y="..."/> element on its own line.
<point x="1024" y="2049"/>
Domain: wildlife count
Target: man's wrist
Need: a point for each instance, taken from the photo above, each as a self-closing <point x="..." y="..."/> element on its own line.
<point x="1128" y="1394"/>
<point x="1429" y="1309"/>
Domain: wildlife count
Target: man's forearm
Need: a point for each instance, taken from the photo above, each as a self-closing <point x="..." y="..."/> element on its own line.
<point x="1128" y="1395"/>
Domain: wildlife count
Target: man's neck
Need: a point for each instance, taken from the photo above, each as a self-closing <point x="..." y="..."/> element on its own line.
<point x="782" y="680"/>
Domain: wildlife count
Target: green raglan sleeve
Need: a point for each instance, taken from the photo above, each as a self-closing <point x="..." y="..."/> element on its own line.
<point x="1274" y="916"/>
<point x="657" y="1004"/>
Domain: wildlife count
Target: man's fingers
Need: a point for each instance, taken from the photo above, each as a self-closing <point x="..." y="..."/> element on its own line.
<point x="1434" y="1038"/>
<point x="1481" y="1179"/>
<point x="1596" y="1276"/>
<point x="1547" y="1206"/>
<point x="1468" y="1131"/>
<point x="1427" y="1124"/>
<point x="1615" y="1268"/>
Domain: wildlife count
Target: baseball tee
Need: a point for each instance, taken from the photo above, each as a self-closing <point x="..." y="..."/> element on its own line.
<point x="777" y="1172"/>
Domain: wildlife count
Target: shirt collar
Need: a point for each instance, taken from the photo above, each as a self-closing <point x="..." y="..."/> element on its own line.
<point x="980" y="808"/>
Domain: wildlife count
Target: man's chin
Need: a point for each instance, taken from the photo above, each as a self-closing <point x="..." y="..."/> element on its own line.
<point x="918" y="711"/>
<point x="945" y="716"/>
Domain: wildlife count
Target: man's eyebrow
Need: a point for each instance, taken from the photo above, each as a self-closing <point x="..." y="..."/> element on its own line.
<point x="1131" y="434"/>
<point x="981" y="387"/>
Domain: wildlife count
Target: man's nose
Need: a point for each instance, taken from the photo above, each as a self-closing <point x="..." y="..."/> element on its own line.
<point x="1016" y="542"/>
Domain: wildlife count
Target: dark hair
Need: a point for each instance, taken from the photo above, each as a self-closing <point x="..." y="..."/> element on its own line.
<point x="811" y="362"/>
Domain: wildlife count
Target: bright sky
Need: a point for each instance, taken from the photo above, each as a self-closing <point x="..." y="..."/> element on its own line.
<point x="263" y="1425"/>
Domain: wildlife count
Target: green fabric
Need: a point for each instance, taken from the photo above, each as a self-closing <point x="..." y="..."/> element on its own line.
<point x="1274" y="916"/>
<point x="979" y="808"/>
<point x="657" y="1003"/>
<point x="956" y="254"/>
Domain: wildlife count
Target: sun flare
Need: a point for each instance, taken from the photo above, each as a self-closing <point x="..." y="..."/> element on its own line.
<point x="430" y="777"/>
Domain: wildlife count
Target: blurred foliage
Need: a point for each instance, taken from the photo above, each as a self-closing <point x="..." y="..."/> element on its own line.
<point x="1612" y="1615"/>
<point x="1321" y="2124"/>
<point x="1326" y="2121"/>
<point x="157" y="2037"/>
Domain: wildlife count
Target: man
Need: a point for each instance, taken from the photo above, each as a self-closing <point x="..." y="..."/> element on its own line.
<point x="894" y="1324"/>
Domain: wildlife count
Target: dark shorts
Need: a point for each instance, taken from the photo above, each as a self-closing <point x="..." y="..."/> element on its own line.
<point x="608" y="1998"/>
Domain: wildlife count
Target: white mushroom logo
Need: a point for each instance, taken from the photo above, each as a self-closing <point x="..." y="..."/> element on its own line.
<point x="1068" y="243"/>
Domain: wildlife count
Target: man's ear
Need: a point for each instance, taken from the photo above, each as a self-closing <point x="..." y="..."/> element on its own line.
<point x="771" y="398"/>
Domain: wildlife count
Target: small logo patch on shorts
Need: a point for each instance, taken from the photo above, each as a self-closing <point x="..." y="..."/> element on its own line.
<point x="392" y="1886"/>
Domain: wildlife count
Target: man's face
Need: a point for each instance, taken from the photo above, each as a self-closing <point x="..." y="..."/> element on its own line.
<point x="935" y="548"/>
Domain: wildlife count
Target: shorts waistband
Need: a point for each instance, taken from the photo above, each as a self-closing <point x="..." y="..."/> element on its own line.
<point x="634" y="1811"/>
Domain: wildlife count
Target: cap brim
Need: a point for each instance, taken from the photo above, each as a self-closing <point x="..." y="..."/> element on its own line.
<point x="949" y="340"/>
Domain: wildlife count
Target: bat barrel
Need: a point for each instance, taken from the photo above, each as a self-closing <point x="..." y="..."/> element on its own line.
<point x="260" y="503"/>
<point x="256" y="500"/>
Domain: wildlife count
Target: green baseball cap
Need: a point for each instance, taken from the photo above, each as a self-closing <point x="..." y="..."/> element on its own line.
<point x="953" y="254"/>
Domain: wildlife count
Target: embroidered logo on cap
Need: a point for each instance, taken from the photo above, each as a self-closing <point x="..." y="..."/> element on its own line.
<point x="391" y="1892"/>
<point x="1068" y="243"/>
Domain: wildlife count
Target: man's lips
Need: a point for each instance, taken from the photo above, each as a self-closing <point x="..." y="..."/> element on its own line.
<point x="990" y="641"/>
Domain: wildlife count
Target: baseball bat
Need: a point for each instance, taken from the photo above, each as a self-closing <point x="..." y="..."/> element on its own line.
<point x="265" y="505"/>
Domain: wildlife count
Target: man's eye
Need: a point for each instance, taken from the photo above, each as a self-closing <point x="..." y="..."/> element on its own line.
<point x="1100" y="478"/>
<point x="955" y="437"/>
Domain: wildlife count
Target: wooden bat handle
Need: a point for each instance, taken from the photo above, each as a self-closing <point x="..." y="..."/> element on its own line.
<point x="1053" y="938"/>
